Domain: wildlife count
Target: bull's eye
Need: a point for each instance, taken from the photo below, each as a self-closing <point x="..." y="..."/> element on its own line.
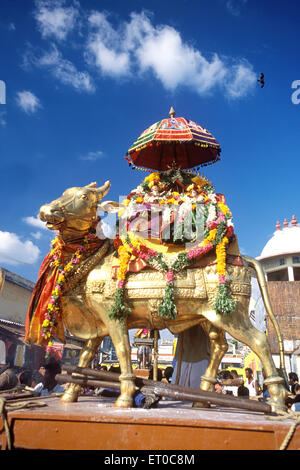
<point x="84" y="196"/>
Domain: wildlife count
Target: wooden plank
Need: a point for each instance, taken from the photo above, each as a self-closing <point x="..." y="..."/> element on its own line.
<point x="94" y="424"/>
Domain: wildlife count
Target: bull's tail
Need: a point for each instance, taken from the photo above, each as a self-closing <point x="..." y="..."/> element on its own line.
<point x="266" y="299"/>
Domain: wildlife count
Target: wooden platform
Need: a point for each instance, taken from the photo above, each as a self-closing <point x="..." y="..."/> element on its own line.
<point x="94" y="424"/>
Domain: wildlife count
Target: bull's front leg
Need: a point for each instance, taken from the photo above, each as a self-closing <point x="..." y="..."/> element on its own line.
<point x="86" y="356"/>
<point x="119" y="335"/>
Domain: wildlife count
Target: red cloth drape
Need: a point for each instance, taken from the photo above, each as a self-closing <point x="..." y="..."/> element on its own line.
<point x="42" y="292"/>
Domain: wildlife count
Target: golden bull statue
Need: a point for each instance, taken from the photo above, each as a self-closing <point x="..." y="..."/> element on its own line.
<point x="89" y="290"/>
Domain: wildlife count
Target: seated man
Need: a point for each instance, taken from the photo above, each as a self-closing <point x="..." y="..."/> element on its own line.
<point x="296" y="402"/>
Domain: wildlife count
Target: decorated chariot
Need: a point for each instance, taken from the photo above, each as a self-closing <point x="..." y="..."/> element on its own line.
<point x="174" y="263"/>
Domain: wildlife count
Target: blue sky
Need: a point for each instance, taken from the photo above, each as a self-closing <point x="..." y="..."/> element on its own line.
<point x="84" y="78"/>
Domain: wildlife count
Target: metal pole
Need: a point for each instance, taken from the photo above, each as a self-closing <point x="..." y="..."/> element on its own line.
<point x="155" y="359"/>
<point x="160" y="389"/>
<point x="179" y="360"/>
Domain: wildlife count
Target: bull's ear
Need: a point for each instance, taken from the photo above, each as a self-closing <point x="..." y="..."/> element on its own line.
<point x="103" y="190"/>
<point x="109" y="206"/>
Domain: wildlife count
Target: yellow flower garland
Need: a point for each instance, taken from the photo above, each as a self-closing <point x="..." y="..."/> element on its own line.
<point x="225" y="209"/>
<point x="211" y="236"/>
<point x="221" y="256"/>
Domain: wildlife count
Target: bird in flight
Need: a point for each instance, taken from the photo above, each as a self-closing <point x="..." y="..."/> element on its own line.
<point x="261" y="80"/>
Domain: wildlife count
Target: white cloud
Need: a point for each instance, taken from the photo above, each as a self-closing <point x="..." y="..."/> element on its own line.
<point x="62" y="69"/>
<point x="240" y="79"/>
<point x="15" y="251"/>
<point x="3" y="118"/>
<point x="35" y="222"/>
<point x="28" y="101"/>
<point x="92" y="156"/>
<point x="36" y="235"/>
<point x="55" y="20"/>
<point x="138" y="47"/>
<point x="235" y="6"/>
<point x="102" y="47"/>
<point x="110" y="62"/>
<point x="175" y="63"/>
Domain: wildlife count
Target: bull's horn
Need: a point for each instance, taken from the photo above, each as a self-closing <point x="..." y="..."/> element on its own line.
<point x="109" y="206"/>
<point x="103" y="190"/>
<point x="92" y="185"/>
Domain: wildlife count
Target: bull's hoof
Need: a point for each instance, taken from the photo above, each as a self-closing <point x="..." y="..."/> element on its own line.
<point x="69" y="397"/>
<point x="201" y="404"/>
<point x="124" y="402"/>
<point x="278" y="394"/>
<point x="277" y="407"/>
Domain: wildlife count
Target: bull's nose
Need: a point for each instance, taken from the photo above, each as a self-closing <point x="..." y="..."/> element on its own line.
<point x="50" y="214"/>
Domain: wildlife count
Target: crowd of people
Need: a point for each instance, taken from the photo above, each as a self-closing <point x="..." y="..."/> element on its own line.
<point x="228" y="382"/>
<point x="40" y="381"/>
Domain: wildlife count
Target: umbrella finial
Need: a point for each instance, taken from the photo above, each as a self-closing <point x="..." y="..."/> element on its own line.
<point x="172" y="112"/>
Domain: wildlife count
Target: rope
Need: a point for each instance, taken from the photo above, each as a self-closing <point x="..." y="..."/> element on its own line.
<point x="3" y="413"/>
<point x="6" y="406"/>
<point x="295" y="415"/>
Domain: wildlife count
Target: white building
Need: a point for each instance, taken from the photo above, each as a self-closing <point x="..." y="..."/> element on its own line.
<point x="280" y="259"/>
<point x="280" y="256"/>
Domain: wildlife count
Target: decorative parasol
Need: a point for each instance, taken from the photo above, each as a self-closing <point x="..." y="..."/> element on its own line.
<point x="174" y="143"/>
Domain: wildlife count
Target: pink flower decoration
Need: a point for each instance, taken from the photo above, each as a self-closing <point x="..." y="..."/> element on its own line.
<point x="222" y="279"/>
<point x="170" y="277"/>
<point x="147" y="255"/>
<point x="197" y="252"/>
<point x="191" y="254"/>
<point x="121" y="284"/>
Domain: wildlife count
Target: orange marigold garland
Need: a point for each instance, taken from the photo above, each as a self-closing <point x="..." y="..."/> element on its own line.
<point x="53" y="313"/>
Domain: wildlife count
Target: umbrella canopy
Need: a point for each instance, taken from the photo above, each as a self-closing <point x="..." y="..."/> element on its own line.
<point x="174" y="143"/>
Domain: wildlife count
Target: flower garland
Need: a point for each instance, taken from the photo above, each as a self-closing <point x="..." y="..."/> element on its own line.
<point x="218" y="232"/>
<point x="119" y="309"/>
<point x="53" y="313"/>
